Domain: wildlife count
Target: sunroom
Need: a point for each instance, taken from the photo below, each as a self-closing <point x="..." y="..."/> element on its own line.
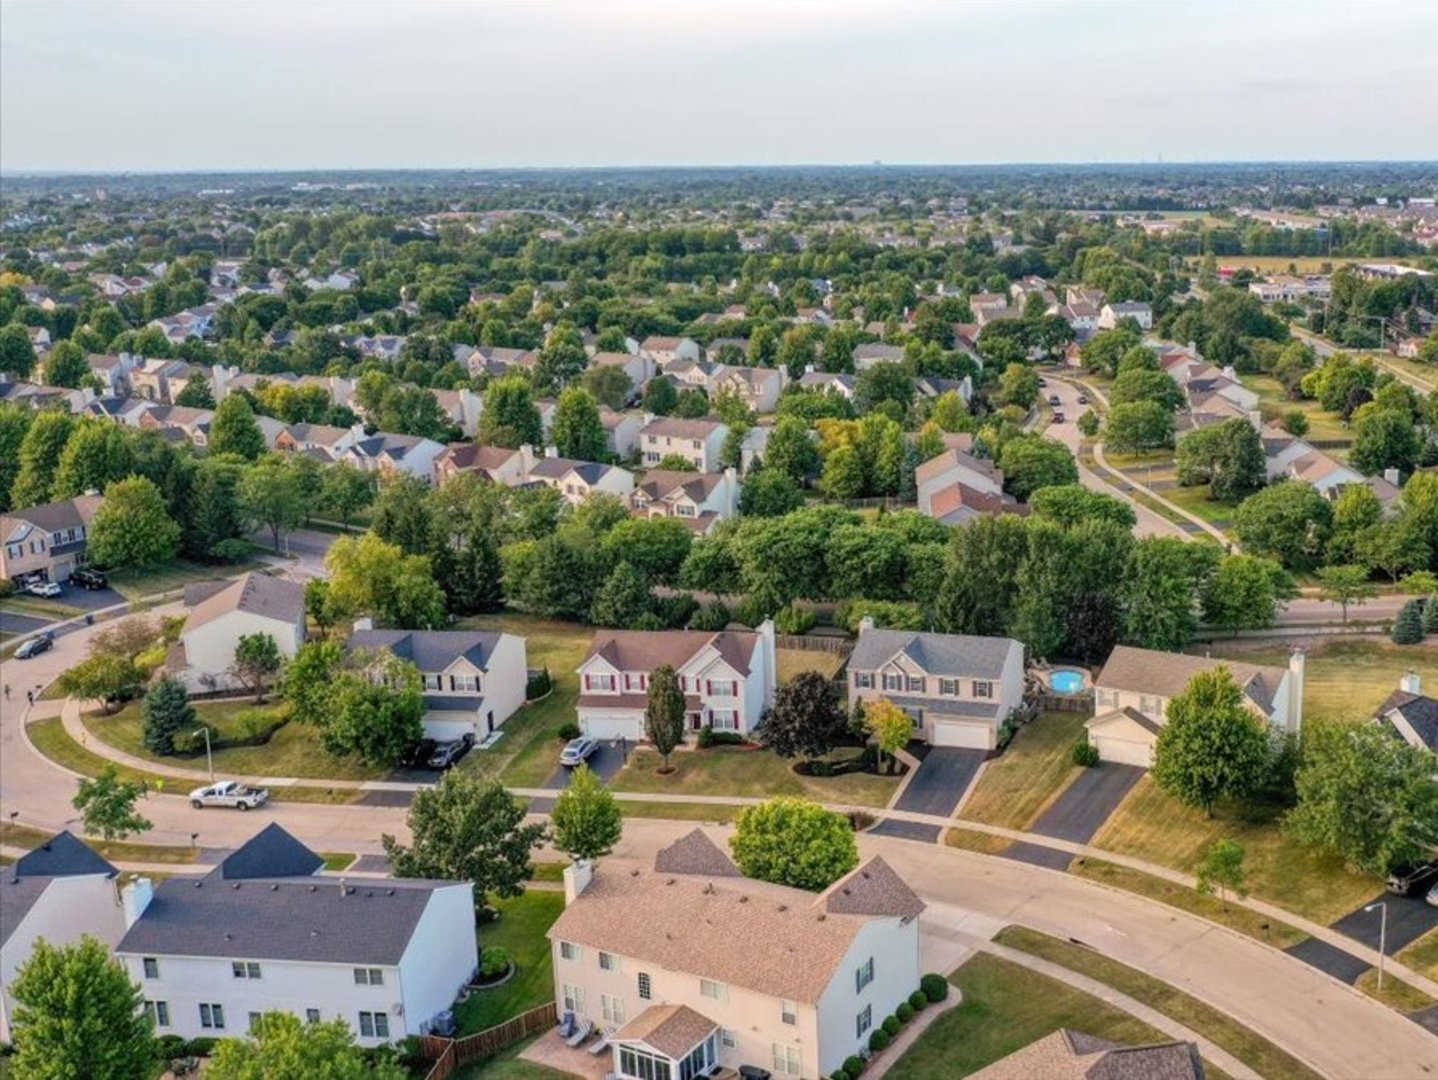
<point x="666" y="1042"/>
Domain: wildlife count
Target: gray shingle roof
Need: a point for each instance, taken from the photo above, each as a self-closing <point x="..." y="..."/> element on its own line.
<point x="937" y="654"/>
<point x="431" y="650"/>
<point x="63" y="855"/>
<point x="270" y="853"/>
<point x="1420" y="712"/>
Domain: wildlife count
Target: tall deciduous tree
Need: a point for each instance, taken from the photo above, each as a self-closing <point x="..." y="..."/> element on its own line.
<point x="375" y="711"/>
<point x="66" y="366"/>
<point x="1288" y="521"/>
<point x="235" y="431"/>
<point x="794" y="842"/>
<point x="1246" y="593"/>
<point x="371" y="577"/>
<point x="345" y="490"/>
<point x="1345" y="585"/>
<point x="97" y="453"/>
<point x="806" y="720"/>
<point x="578" y="432"/>
<point x="586" y="817"/>
<point x="133" y="528"/>
<point x="257" y="662"/>
<point x="510" y="418"/>
<point x="17" y="354"/>
<point x="1030" y="462"/>
<point x="1212" y="747"/>
<point x="270" y="495"/>
<point x="104" y="678"/>
<point x="40" y="453"/>
<point x="622" y="599"/>
<point x="664" y="712"/>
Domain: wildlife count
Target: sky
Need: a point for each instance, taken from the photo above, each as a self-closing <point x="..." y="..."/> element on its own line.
<point x="124" y="85"/>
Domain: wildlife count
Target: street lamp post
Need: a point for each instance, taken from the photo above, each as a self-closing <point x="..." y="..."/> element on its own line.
<point x="209" y="757"/>
<point x="1382" y="905"/>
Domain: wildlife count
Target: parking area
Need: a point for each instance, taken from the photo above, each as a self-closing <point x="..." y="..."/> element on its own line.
<point x="942" y="778"/>
<point x="1087" y="803"/>
<point x="606" y="763"/>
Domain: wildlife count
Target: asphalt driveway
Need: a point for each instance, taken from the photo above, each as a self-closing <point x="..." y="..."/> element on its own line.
<point x="1409" y="918"/>
<point x="20" y="625"/>
<point x="1088" y="802"/>
<point x="1343" y="966"/>
<point x="907" y="830"/>
<point x="606" y="762"/>
<point x="90" y="599"/>
<point x="941" y="780"/>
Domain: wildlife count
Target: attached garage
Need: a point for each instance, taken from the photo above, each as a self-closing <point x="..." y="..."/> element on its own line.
<point x="1125" y="737"/>
<point x="598" y="724"/>
<point x="969" y="734"/>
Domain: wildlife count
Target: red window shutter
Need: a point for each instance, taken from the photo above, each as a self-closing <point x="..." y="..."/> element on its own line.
<point x="586" y="682"/>
<point x="709" y="686"/>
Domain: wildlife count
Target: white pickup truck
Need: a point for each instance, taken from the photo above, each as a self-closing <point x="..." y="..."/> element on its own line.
<point x="228" y="793"/>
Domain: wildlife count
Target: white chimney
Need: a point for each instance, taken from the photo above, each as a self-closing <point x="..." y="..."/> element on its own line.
<point x="135" y="898"/>
<point x="866" y="623"/>
<point x="551" y="451"/>
<point x="1296" y="664"/>
<point x="365" y="623"/>
<point x="767" y="644"/>
<point x="1411" y="683"/>
<point x="1392" y="476"/>
<point x="577" y="876"/>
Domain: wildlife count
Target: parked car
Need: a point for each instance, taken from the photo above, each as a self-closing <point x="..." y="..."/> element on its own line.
<point x="1055" y="401"/>
<point x="1058" y="416"/>
<point x="447" y="753"/>
<point x="1083" y="399"/>
<point x="34" y="646"/>
<point x="89" y="579"/>
<point x="1413" y="880"/>
<point x="44" y="588"/>
<point x="419" y="753"/>
<point x="577" y="751"/>
<point x="1433" y="896"/>
<point x="1042" y="382"/>
<point x="229" y="793"/>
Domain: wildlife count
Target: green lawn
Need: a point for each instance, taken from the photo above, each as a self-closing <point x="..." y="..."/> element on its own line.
<point x="1152" y="825"/>
<point x="1422" y="955"/>
<point x="1031" y="772"/>
<point x="792" y="661"/>
<point x="1248" y="1047"/>
<point x="520" y="931"/>
<point x="38" y="607"/>
<point x="1196" y="501"/>
<point x="1005" y="1008"/>
<point x="176" y="574"/>
<point x="1273" y="403"/>
<point x="338" y="860"/>
<point x="506" y="1066"/>
<point x="1396" y="993"/>
<point x="717" y="813"/>
<point x="293" y="750"/>
<point x="749" y="772"/>
<point x="23" y="836"/>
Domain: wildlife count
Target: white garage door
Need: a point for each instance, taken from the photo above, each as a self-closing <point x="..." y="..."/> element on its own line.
<point x="611" y="726"/>
<point x="965" y="733"/>
<point x="1124" y="751"/>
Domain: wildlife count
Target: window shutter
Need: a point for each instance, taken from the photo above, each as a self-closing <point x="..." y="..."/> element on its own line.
<point x="586" y="682"/>
<point x="709" y="686"/>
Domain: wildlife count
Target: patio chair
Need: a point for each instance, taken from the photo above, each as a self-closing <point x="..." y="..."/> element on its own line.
<point x="585" y="1030"/>
<point x="566" y="1025"/>
<point x="601" y="1044"/>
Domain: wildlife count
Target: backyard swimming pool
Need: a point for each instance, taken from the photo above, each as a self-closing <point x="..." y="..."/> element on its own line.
<point x="1065" y="681"/>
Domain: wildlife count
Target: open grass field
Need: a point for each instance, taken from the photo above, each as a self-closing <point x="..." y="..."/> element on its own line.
<point x="1248" y="1047"/>
<point x="176" y="574"/>
<point x="1030" y="773"/>
<point x="1301" y="264"/>
<point x="1273" y="402"/>
<point x="793" y="661"/>
<point x="1152" y="825"/>
<point x="1006" y="1007"/>
<point x="293" y="750"/>
<point x="520" y="932"/>
<point x="744" y="772"/>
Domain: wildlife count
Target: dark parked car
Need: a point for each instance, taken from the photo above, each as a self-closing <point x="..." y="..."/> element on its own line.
<point x="1413" y="880"/>
<point x="34" y="646"/>
<point x="1083" y="399"/>
<point x="419" y="754"/>
<point x="1055" y="401"/>
<point x="88" y="579"/>
<point x="447" y="753"/>
<point x="1058" y="417"/>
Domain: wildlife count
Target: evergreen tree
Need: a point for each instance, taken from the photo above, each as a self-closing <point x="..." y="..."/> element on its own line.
<point x="1408" y="626"/>
<point x="622" y="599"/>
<point x="1430" y="616"/>
<point x="196" y="393"/>
<point x="168" y="713"/>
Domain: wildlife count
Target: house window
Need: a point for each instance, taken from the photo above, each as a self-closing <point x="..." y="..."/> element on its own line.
<point x="983" y="688"/>
<point x="916" y="684"/>
<point x="893" y="681"/>
<point x="212" y="1016"/>
<point x="245" y="969"/>
<point x="724" y="720"/>
<point x="152" y="967"/>
<point x="728" y="1038"/>
<point x="723" y="687"/>
<point x="608" y="962"/>
<point x="570" y="951"/>
<point x="1106" y="698"/>
<point x="949" y="687"/>
<point x="645" y="986"/>
<point x="710" y="989"/>
<point x="1150" y="706"/>
<point x="863" y="974"/>
<point x="312" y="1016"/>
<point x="369" y="977"/>
<point x="434" y="682"/>
<point x="374" y="1025"/>
<point x="864" y="680"/>
<point x="612" y="1008"/>
<point x="788" y="1012"/>
<point x="684" y="510"/>
<point x="158" y="1012"/>
<point x="599" y="682"/>
<point x="787" y="1060"/>
<point x="468" y="684"/>
<point x="642" y="1065"/>
<point x="864" y="1021"/>
<point x="574" y="999"/>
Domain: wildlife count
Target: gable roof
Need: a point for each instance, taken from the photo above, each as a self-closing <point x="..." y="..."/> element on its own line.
<point x="1419" y="712"/>
<point x="678" y="428"/>
<point x="254" y="593"/>
<point x="63" y="855"/>
<point x="954" y="458"/>
<point x="695" y="853"/>
<point x="270" y="853"/>
<point x="872" y="889"/>
<point x="668" y="483"/>
<point x="645" y="650"/>
<point x="937" y="654"/>
<point x="1073" y="1055"/>
<point x="52" y="517"/>
<point x="673" y="1030"/>
<point x="1167" y="674"/>
<point x="432" y="650"/>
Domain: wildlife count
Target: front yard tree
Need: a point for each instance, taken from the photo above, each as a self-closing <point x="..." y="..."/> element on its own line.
<point x="1366" y="796"/>
<point x="1289" y="521"/>
<point x="1212" y="747"/>
<point x="168" y="713"/>
<point x="133" y="527"/>
<point x="270" y="496"/>
<point x="1345" y="585"/>
<point x="794" y="842"/>
<point x="279" y="1045"/>
<point x="346" y="489"/>
<point x="105" y="678"/>
<point x="467" y="829"/>
<point x="307" y="681"/>
<point x="510" y="417"/>
<point x="77" y="1014"/>
<point x="376" y="712"/>
<point x="1222" y="869"/>
<point x="1246" y="593"/>
<point x="257" y="662"/>
<point x="806" y="720"/>
<point x="1030" y="462"/>
<point x="585" y="817"/>
<point x="664" y="712"/>
<point x="107" y="805"/>
<point x="890" y="728"/>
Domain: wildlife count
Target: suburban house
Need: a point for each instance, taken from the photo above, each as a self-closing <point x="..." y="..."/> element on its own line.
<point x="494" y="359"/>
<point x="697" y="499"/>
<point x="694" y="967"/>
<point x="192" y="424"/>
<point x="1411" y="715"/>
<point x="577" y="480"/>
<point x="728" y="678"/>
<point x="621" y="431"/>
<point x="462" y="406"/>
<point x="262" y="932"/>
<point x="957" y="688"/>
<point x="956" y="487"/>
<point x="113" y="371"/>
<point x="474" y="680"/>
<point x="875" y="353"/>
<point x="386" y="453"/>
<point x="1132" y="692"/>
<point x="1110" y="314"/>
<point x="303" y="438"/>
<point x="160" y="380"/>
<point x="46" y="543"/>
<point x="665" y="350"/>
<point x="698" y="442"/>
<point x="690" y="374"/>
<point x="494" y="463"/>
<point x="639" y="367"/>
<point x="757" y="388"/>
<point x="222" y="612"/>
<point x="827" y="382"/>
<point x="61" y="891"/>
<point x="1073" y="1055"/>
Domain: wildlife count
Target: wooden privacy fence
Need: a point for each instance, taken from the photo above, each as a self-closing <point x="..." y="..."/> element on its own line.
<point x="1064" y="702"/>
<point x="839" y="646"/>
<point x="451" y="1054"/>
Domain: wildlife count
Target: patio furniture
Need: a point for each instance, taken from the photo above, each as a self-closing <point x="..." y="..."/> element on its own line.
<point x="601" y="1044"/>
<point x="585" y="1030"/>
<point x="566" y="1025"/>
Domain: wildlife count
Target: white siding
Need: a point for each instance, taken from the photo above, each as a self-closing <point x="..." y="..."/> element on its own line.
<point x="894" y="948"/>
<point x="443" y="954"/>
<point x="211" y="648"/>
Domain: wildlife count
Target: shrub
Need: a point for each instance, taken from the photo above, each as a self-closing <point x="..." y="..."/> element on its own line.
<point x="793" y="620"/>
<point x="204" y="1046"/>
<point x="7" y="587"/>
<point x="1085" y="754"/>
<point x="841" y="1074"/>
<point x="935" y="987"/>
<point x="493" y="962"/>
<point x="879" y="1040"/>
<point x="905" y="1012"/>
<point x="676" y="610"/>
<point x="648" y="621"/>
<point x="919" y="1000"/>
<point x="869" y="756"/>
<point x="854" y="1065"/>
<point x="751" y="611"/>
<point x="892" y="1025"/>
<point x="569" y="731"/>
<point x="887" y="614"/>
<point x="821" y="768"/>
<point x="709" y="737"/>
<point x="169" y="1046"/>
<point x="539" y="684"/>
<point x="713" y="616"/>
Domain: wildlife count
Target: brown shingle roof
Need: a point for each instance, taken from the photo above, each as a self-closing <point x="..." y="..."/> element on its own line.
<point x="872" y="889"/>
<point x="645" y="650"/>
<point x="1073" y="1055"/>
<point x="1166" y="674"/>
<point x="258" y="594"/>
<point x="695" y="853"/>
<point x="673" y="1030"/>
<point x="681" y="429"/>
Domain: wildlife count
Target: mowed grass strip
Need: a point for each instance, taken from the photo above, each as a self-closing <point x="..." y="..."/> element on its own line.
<point x="1422" y="955"/>
<point x="973" y="840"/>
<point x="520" y="931"/>
<point x="748" y="772"/>
<point x="1396" y="993"/>
<point x="1006" y="1007"/>
<point x="1244" y="1044"/>
<point x="1035" y="767"/>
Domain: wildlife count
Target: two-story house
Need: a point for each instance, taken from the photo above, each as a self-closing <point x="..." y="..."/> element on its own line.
<point x="263" y="932"/>
<point x="160" y="380"/>
<point x="577" y="480"/>
<point x="385" y="453"/>
<point x="727" y="677"/>
<point x="757" y="388"/>
<point x="474" y="680"/>
<point x="691" y="967"/>
<point x="60" y="892"/>
<point x="698" y="442"/>
<point x="873" y="353"/>
<point x="700" y="500"/>
<point x="955" y="487"/>
<point x="665" y="350"/>
<point x="958" y="689"/>
<point x="463" y="407"/>
<point x="640" y="367"/>
<point x="46" y="543"/>
<point x="621" y="431"/>
<point x="193" y="424"/>
<point x="1111" y="314"/>
<point x="497" y="464"/>
<point x="1132" y="692"/>
<point x="304" y="438"/>
<point x="220" y="613"/>
<point x="113" y="372"/>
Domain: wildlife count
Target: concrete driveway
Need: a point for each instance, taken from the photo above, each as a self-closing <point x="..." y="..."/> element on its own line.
<point x="606" y="762"/>
<point x="1081" y="810"/>
<point x="941" y="780"/>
